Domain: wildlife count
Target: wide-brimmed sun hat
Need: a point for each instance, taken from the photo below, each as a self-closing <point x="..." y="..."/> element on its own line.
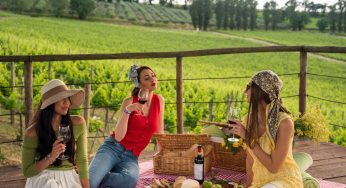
<point x="56" y="90"/>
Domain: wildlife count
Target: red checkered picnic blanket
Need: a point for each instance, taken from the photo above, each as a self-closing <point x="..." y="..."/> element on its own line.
<point x="147" y="175"/>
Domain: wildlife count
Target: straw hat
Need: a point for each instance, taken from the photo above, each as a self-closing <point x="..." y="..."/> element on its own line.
<point x="56" y="90"/>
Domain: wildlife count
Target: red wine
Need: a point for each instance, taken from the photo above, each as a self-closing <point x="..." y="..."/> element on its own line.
<point x="142" y="101"/>
<point x="231" y="122"/>
<point x="199" y="166"/>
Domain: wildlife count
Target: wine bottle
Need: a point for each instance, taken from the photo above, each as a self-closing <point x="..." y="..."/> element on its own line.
<point x="199" y="166"/>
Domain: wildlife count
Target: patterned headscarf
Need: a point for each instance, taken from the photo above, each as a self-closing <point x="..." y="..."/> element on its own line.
<point x="270" y="83"/>
<point x="133" y="74"/>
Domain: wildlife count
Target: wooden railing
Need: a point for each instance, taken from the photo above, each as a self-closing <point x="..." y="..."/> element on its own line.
<point x="29" y="59"/>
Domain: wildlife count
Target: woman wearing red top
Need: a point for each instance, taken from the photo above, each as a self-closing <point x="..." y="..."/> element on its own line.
<point x="116" y="161"/>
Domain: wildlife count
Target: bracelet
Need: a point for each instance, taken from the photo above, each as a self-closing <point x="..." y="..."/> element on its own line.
<point x="127" y="111"/>
<point x="48" y="158"/>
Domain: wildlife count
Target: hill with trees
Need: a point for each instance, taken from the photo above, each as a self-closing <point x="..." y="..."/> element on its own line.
<point x="199" y="14"/>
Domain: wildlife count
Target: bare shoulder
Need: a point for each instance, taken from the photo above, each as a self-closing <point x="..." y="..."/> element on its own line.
<point x="286" y="126"/>
<point x="77" y="120"/>
<point x="161" y="99"/>
<point x="127" y="101"/>
<point x="31" y="131"/>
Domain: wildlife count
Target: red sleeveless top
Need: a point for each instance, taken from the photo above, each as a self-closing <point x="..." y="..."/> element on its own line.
<point x="140" y="128"/>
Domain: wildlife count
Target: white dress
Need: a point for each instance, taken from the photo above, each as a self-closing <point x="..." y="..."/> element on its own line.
<point x="54" y="179"/>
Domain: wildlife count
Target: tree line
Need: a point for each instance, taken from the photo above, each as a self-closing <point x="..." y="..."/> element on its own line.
<point x="242" y="14"/>
<point x="80" y="7"/>
<point x="228" y="14"/>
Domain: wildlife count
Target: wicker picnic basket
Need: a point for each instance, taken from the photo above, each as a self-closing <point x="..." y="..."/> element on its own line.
<point x="178" y="165"/>
<point x="226" y="160"/>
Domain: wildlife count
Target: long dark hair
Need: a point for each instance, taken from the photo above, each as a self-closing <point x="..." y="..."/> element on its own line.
<point x="257" y="95"/>
<point x="135" y="90"/>
<point x="46" y="136"/>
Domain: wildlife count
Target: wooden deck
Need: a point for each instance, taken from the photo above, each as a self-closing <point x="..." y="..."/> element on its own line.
<point x="329" y="164"/>
<point x="329" y="160"/>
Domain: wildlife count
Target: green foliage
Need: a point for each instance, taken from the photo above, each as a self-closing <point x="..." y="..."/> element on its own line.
<point x="339" y="137"/>
<point x="58" y="6"/>
<point x="11" y="102"/>
<point x="297" y="19"/>
<point x="197" y="130"/>
<point x="39" y="6"/>
<point x="266" y="15"/>
<point x="219" y="13"/>
<point x="101" y="98"/>
<point x="231" y="13"/>
<point x="20" y="5"/>
<point x="200" y="12"/>
<point x="95" y="124"/>
<point x="76" y="111"/>
<point x="313" y="124"/>
<point x="82" y="7"/>
<point x="332" y="16"/>
<point x="322" y="24"/>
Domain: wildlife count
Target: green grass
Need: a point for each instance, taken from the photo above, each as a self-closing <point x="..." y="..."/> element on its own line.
<point x="60" y="36"/>
<point x="307" y="38"/>
<point x="312" y="23"/>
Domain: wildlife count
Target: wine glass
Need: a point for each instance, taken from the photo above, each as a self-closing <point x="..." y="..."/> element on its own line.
<point x="143" y="96"/>
<point x="233" y="114"/>
<point x="65" y="134"/>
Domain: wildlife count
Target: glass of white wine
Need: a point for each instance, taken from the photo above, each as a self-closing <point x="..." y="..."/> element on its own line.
<point x="232" y="115"/>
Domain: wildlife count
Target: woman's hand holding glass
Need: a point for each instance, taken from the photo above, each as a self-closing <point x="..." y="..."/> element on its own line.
<point x="58" y="148"/>
<point x="64" y="134"/>
<point x="233" y="115"/>
<point x="135" y="107"/>
<point x="238" y="129"/>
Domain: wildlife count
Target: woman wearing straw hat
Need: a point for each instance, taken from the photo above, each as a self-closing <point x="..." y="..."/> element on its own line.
<point x="41" y="163"/>
<point x="116" y="161"/>
<point x="268" y="135"/>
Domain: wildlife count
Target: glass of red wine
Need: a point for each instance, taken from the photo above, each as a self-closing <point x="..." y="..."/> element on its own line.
<point x="65" y="134"/>
<point x="232" y="115"/>
<point x="143" y="96"/>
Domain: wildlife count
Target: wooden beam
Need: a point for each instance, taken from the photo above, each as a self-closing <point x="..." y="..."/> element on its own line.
<point x="194" y="53"/>
<point x="28" y="77"/>
<point x="179" y="86"/>
<point x="302" y="82"/>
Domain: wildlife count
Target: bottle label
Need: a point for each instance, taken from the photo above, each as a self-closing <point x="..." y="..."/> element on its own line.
<point x="198" y="171"/>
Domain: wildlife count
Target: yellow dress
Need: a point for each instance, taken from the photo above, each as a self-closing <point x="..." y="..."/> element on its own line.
<point x="288" y="175"/>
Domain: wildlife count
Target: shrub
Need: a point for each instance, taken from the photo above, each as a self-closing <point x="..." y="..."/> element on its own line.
<point x="313" y="125"/>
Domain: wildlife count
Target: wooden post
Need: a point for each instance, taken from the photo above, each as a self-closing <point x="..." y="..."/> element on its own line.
<point x="211" y="114"/>
<point x="12" y="85"/>
<point x="106" y="122"/>
<point x="179" y="85"/>
<point x="87" y="90"/>
<point x="28" y="91"/>
<point x="21" y="126"/>
<point x="302" y="81"/>
<point x="49" y="70"/>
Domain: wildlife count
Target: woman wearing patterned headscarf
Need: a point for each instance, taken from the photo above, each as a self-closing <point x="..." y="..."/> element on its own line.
<point x="268" y="135"/>
<point x="116" y="161"/>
